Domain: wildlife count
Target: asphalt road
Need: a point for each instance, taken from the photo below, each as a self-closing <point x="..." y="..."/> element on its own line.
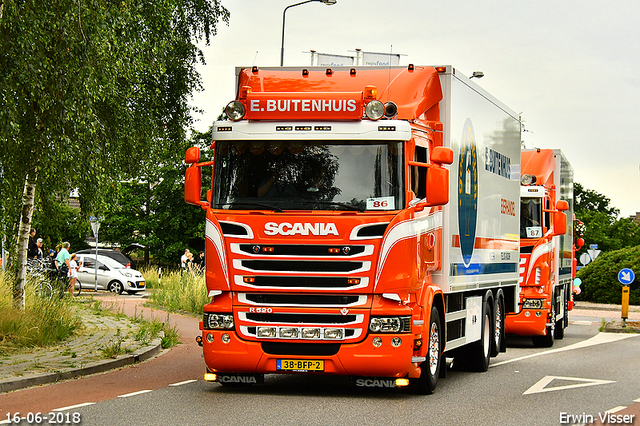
<point x="585" y="375"/>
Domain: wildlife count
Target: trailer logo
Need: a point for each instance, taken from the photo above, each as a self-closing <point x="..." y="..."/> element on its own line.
<point x="467" y="192"/>
<point x="285" y="228"/>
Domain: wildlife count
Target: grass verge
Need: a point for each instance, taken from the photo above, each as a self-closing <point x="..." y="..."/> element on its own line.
<point x="178" y="293"/>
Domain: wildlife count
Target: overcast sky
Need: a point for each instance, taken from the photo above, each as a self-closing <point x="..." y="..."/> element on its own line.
<point x="570" y="68"/>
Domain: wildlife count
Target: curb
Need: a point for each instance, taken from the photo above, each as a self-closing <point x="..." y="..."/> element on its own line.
<point x="140" y="355"/>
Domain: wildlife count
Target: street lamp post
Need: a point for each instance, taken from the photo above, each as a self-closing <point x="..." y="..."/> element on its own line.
<point x="327" y="2"/>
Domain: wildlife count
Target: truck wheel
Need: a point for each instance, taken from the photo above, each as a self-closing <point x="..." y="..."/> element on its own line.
<point x="430" y="369"/>
<point x="547" y="341"/>
<point x="498" y="326"/>
<point x="479" y="354"/>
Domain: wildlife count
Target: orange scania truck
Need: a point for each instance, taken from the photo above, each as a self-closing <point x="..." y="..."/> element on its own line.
<point x="361" y="222"/>
<point x="547" y="250"/>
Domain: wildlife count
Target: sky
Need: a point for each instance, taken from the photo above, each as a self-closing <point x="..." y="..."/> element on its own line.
<point x="570" y="68"/>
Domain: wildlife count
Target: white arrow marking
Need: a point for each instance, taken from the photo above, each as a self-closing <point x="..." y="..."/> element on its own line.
<point x="540" y="386"/>
<point x="626" y="276"/>
<point x="598" y="339"/>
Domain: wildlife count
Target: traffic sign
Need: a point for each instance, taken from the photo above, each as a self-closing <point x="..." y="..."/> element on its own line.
<point x="626" y="276"/>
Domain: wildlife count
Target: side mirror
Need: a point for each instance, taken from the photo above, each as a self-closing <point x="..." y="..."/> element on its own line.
<point x="562" y="205"/>
<point x="192" y="156"/>
<point x="441" y="155"/>
<point x="559" y="222"/>
<point x="193" y="185"/>
<point x="437" y="186"/>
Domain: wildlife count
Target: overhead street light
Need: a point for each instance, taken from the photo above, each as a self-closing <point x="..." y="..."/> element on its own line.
<point x="327" y="2"/>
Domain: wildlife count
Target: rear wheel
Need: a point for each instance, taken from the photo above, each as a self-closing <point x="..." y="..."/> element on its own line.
<point x="430" y="369"/>
<point x="78" y="288"/>
<point x="498" y="326"/>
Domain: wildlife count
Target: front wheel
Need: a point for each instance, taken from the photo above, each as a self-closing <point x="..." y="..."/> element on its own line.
<point x="430" y="369"/>
<point x="115" y="287"/>
<point x="77" y="288"/>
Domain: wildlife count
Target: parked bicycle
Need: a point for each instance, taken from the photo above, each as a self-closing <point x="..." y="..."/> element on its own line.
<point x="49" y="280"/>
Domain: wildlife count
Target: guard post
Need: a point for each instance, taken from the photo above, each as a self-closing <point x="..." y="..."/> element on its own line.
<point x="626" y="276"/>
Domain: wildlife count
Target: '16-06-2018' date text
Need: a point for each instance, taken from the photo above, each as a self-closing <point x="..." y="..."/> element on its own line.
<point x="51" y="418"/>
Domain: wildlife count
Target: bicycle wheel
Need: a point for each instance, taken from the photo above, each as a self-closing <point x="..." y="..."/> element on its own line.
<point x="46" y="290"/>
<point x="78" y="288"/>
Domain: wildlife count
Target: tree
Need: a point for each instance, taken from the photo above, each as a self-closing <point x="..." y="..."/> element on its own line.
<point x="153" y="211"/>
<point x="603" y="227"/>
<point x="89" y="92"/>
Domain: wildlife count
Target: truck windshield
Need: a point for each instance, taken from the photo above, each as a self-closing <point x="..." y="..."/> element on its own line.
<point x="531" y="218"/>
<point x="308" y="175"/>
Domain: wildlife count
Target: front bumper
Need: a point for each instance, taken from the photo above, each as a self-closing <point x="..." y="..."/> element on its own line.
<point x="535" y="324"/>
<point x="353" y="359"/>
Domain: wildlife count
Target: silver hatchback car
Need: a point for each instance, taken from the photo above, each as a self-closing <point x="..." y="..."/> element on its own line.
<point x="112" y="275"/>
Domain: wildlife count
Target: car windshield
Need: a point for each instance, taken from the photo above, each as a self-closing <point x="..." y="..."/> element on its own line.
<point x="112" y="264"/>
<point x="308" y="175"/>
<point x="531" y="218"/>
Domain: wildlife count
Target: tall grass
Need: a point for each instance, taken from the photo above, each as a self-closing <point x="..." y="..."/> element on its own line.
<point x="43" y="322"/>
<point x="179" y="293"/>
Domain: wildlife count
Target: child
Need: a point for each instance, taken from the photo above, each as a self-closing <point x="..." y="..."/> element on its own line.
<point x="73" y="273"/>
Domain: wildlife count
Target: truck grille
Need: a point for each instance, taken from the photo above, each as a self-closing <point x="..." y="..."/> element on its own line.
<point x="278" y="299"/>
<point x="303" y="282"/>
<point x="302" y="266"/>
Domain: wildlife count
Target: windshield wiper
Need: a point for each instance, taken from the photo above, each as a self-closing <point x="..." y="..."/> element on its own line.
<point x="333" y="203"/>
<point x="266" y="206"/>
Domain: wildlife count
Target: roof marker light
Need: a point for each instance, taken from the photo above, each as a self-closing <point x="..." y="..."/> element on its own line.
<point x="305" y="72"/>
<point x="329" y="71"/>
<point x="352" y="72"/>
<point x="254" y="69"/>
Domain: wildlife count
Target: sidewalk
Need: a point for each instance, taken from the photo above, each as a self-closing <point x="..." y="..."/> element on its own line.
<point x="85" y="354"/>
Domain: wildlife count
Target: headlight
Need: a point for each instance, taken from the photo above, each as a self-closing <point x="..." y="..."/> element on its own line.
<point x="235" y="110"/>
<point x="375" y="110"/>
<point x="126" y="274"/>
<point x="217" y="321"/>
<point x="390" y="324"/>
<point x="533" y="303"/>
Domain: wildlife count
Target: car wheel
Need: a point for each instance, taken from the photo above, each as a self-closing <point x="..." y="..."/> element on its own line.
<point x="115" y="287"/>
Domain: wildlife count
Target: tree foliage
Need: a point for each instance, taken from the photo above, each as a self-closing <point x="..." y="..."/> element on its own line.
<point x="91" y="92"/>
<point x="600" y="278"/>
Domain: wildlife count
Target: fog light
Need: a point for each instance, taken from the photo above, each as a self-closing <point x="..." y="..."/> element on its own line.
<point x="226" y="338"/>
<point x="210" y="337"/>
<point x="210" y="377"/>
<point x="527" y="314"/>
<point x="538" y="313"/>
<point x="266" y="332"/>
<point x="334" y="333"/>
<point x="310" y="333"/>
<point x="377" y="342"/>
<point x="402" y="382"/>
<point x="288" y="332"/>
<point x="396" y="341"/>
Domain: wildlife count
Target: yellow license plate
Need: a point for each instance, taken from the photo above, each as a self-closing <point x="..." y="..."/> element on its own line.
<point x="300" y="364"/>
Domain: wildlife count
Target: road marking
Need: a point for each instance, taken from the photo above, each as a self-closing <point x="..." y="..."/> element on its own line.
<point x="616" y="409"/>
<point x="542" y="383"/>
<point x="583" y="322"/>
<point x="183" y="383"/>
<point x="636" y="400"/>
<point x="134" y="393"/>
<point x="598" y="339"/>
<point x="72" y="407"/>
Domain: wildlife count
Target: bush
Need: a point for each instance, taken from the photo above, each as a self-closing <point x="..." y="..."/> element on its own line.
<point x="600" y="278"/>
<point x="181" y="293"/>
<point x="43" y="322"/>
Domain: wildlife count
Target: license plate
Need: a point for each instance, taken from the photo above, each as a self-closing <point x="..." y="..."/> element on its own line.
<point x="300" y="364"/>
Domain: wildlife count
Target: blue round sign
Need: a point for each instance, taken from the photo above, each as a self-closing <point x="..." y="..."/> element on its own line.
<point x="626" y="276"/>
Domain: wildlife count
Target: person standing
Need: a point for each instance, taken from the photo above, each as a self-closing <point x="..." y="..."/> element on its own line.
<point x="32" y="249"/>
<point x="63" y="260"/>
<point x="183" y="260"/>
<point x="40" y="254"/>
<point x="73" y="273"/>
